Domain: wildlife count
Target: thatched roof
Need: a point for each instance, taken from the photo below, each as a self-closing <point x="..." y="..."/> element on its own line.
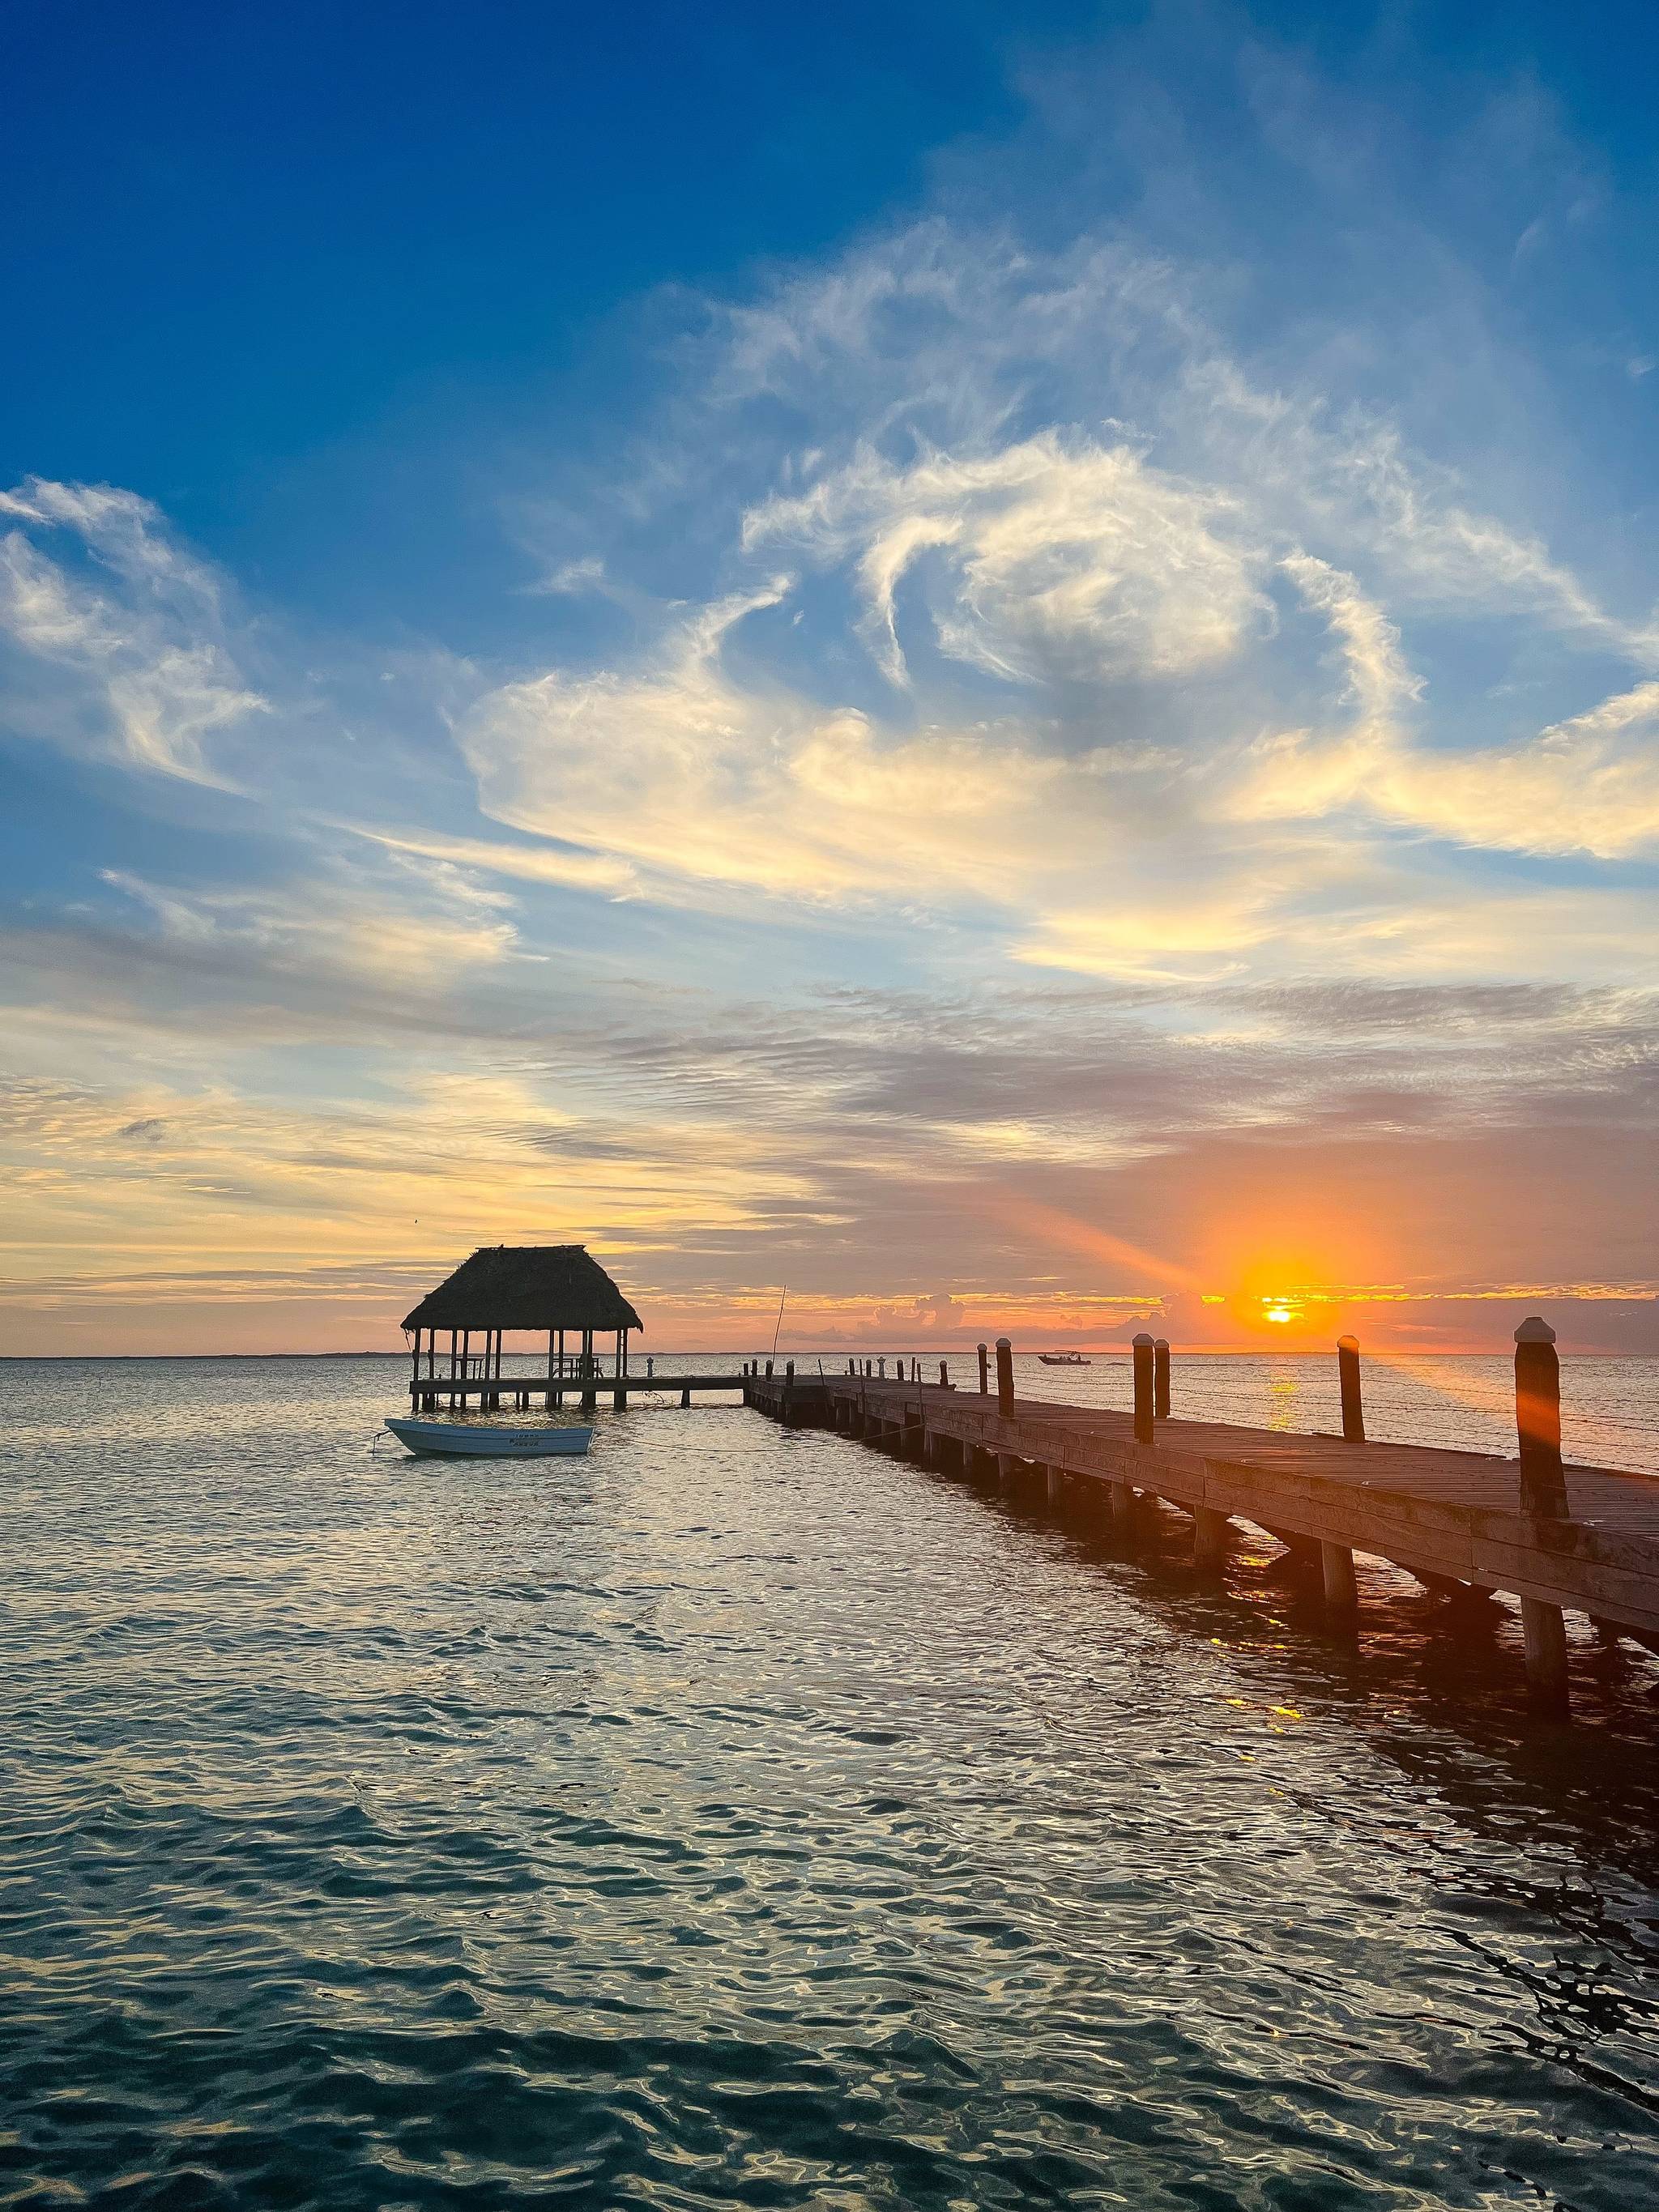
<point x="539" y="1286"/>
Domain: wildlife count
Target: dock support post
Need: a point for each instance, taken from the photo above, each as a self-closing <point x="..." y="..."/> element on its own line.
<point x="1209" y="1537"/>
<point x="1005" y="1378"/>
<point x="984" y="1374"/>
<point x="1538" y="1420"/>
<point x="1341" y="1590"/>
<point x="1347" y="1377"/>
<point x="944" y="1376"/>
<point x="1546" y="1638"/>
<point x="1121" y="1503"/>
<point x="1161" y="1377"/>
<point x="1143" y="1377"/>
<point x="1053" y="1474"/>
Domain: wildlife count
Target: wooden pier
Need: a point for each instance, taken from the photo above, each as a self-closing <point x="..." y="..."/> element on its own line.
<point x="1456" y="1520"/>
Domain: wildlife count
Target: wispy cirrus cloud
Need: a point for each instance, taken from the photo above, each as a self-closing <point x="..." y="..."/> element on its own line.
<point x="118" y="646"/>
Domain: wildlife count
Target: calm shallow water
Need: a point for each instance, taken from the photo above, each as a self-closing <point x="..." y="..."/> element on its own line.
<point x="739" y="1818"/>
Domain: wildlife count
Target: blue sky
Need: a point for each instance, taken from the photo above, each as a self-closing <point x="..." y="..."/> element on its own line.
<point x="1006" y="670"/>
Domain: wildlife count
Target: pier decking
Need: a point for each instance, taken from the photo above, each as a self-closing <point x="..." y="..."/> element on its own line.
<point x="1453" y="1519"/>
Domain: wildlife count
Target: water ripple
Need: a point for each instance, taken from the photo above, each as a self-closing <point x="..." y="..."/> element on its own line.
<point x="738" y="1818"/>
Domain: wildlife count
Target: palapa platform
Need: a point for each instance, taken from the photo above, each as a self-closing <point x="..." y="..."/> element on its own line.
<point x="1452" y="1518"/>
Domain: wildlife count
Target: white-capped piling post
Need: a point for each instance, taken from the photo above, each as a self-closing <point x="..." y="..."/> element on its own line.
<point x="1543" y="1497"/>
<point x="1005" y="1378"/>
<point x="1143" y="1351"/>
<point x="1347" y="1380"/>
<point x="984" y="1372"/>
<point x="1161" y="1377"/>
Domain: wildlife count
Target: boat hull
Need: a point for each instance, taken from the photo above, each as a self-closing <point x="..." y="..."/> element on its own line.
<point x="475" y="1440"/>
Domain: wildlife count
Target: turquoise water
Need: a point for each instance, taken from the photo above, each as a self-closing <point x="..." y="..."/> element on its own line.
<point x="739" y="1818"/>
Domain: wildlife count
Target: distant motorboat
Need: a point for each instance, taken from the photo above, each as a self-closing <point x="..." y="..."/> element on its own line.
<point x="476" y="1440"/>
<point x="1064" y="1359"/>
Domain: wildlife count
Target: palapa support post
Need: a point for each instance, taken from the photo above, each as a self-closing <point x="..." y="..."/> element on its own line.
<point x="1538" y="1420"/>
<point x="547" y="1403"/>
<point x="590" y="1375"/>
<point x="1347" y="1377"/>
<point x="619" y="1395"/>
<point x="1143" y="1351"/>
<point x="1161" y="1377"/>
<point x="984" y="1374"/>
<point x="1005" y="1378"/>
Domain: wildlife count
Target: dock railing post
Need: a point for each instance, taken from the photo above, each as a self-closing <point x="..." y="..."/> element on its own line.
<point x="1347" y="1377"/>
<point x="1543" y="1497"/>
<point x="1143" y="1352"/>
<point x="1005" y="1378"/>
<point x="1161" y="1377"/>
<point x="944" y="1376"/>
<point x="984" y="1373"/>
<point x="1538" y="1420"/>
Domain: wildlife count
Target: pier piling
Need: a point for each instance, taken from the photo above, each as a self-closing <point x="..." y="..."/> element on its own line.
<point x="1347" y="1377"/>
<point x="1161" y="1378"/>
<point x="1538" y="1420"/>
<point x="1144" y="1356"/>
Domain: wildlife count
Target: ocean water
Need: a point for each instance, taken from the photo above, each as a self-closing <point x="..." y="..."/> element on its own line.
<point x="740" y="1818"/>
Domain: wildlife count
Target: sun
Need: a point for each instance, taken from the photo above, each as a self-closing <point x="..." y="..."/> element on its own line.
<point x="1278" y="1309"/>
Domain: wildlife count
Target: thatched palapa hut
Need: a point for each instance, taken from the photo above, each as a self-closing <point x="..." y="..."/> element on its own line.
<point x="554" y="1291"/>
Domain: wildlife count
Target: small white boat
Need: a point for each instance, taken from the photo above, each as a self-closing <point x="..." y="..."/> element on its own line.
<point x="479" y="1441"/>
